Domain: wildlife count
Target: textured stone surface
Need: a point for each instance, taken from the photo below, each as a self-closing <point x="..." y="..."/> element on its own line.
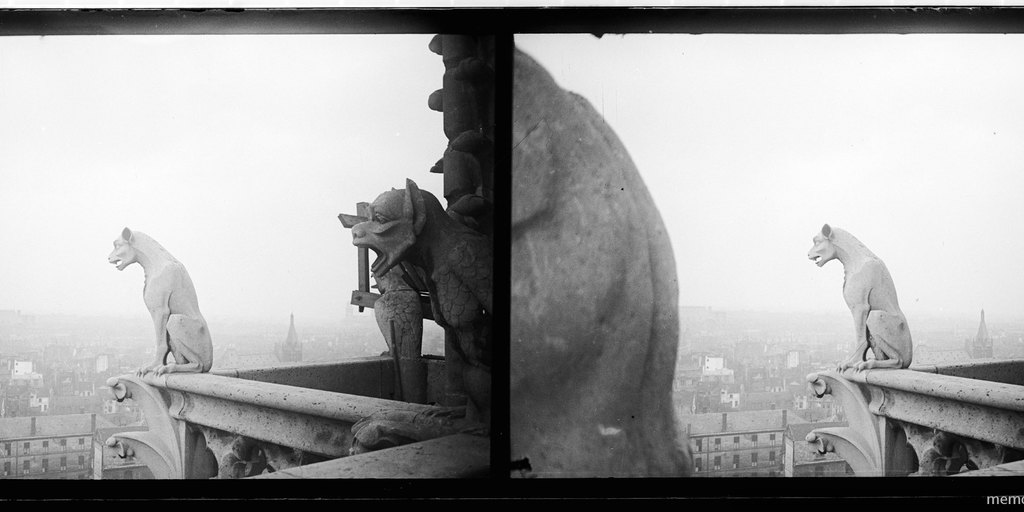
<point x="458" y="456"/>
<point x="594" y="296"/>
<point x="1007" y="371"/>
<point x="367" y="376"/>
<point x="399" y="317"/>
<point x="1011" y="469"/>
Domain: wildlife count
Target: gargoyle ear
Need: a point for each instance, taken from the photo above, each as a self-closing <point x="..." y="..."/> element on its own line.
<point x="827" y="231"/>
<point x="127" y="235"/>
<point x="414" y="208"/>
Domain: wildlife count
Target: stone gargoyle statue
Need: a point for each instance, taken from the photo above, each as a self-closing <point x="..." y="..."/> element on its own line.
<point x="410" y="225"/>
<point x="870" y="293"/>
<point x="171" y="299"/>
<point x="399" y="316"/>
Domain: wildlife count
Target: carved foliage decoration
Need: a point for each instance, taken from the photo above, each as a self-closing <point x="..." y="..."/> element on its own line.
<point x="943" y="453"/>
<point x="237" y="456"/>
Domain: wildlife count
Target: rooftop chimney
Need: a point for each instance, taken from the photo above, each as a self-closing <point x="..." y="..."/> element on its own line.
<point x="93" y="419"/>
<point x="784" y="418"/>
<point x="33" y="426"/>
<point x="724" y="424"/>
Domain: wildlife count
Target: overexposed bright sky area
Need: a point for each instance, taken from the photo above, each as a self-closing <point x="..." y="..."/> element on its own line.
<point x="235" y="152"/>
<point x="749" y="143"/>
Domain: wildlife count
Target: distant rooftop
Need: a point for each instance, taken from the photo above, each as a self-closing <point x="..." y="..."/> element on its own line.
<point x="740" y="421"/>
<point x="814" y="414"/>
<point x="928" y="355"/>
<point x="66" y="424"/>
<point x="768" y="395"/>
<point x="230" y="357"/>
<point x="766" y="400"/>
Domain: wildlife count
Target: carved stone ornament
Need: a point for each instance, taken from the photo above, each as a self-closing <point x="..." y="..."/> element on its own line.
<point x="387" y="429"/>
<point x="409" y="225"/>
<point x="878" y="322"/>
<point x="872" y="444"/>
<point x="237" y="456"/>
<point x="943" y="453"/>
<point x="171" y="299"/>
<point x="170" y="448"/>
<point x="399" y="317"/>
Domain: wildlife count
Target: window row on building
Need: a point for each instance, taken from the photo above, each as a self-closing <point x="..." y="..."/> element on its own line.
<point x="717" y="444"/>
<point x="736" y="463"/>
<point x="44" y="465"/>
<point x="43" y="446"/>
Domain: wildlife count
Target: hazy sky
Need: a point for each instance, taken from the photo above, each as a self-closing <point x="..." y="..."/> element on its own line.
<point x="234" y="152"/>
<point x="749" y="143"/>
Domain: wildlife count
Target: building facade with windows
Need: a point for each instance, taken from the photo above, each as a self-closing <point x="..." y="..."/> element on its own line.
<point x="48" y="447"/>
<point x="745" y="443"/>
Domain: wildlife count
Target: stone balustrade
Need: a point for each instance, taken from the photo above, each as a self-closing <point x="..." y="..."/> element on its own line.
<point x="242" y="423"/>
<point x="927" y="420"/>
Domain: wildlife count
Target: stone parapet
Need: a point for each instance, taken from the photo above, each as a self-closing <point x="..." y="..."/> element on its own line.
<point x="365" y="376"/>
<point x="210" y="425"/>
<point x="927" y="420"/>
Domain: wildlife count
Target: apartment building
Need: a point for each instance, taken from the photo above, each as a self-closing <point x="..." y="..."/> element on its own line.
<point x="48" y="447"/>
<point x="744" y="443"/>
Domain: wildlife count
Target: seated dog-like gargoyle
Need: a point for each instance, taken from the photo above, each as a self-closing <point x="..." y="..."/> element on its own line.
<point x="410" y="225"/>
<point x="870" y="293"/>
<point x="171" y="299"/>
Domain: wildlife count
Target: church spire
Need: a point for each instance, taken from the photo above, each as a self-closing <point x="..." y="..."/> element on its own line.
<point x="982" y="345"/>
<point x="982" y="329"/>
<point x="292" y="337"/>
<point x="290" y="350"/>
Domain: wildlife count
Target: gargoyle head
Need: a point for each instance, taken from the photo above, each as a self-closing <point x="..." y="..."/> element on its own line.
<point x="123" y="253"/>
<point x="824" y="250"/>
<point x="396" y="219"/>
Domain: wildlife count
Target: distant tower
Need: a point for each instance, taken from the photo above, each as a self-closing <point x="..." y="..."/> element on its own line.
<point x="290" y="350"/>
<point x="981" y="345"/>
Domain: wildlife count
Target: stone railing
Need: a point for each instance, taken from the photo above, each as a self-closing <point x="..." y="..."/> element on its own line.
<point x="284" y="420"/>
<point x="927" y="420"/>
